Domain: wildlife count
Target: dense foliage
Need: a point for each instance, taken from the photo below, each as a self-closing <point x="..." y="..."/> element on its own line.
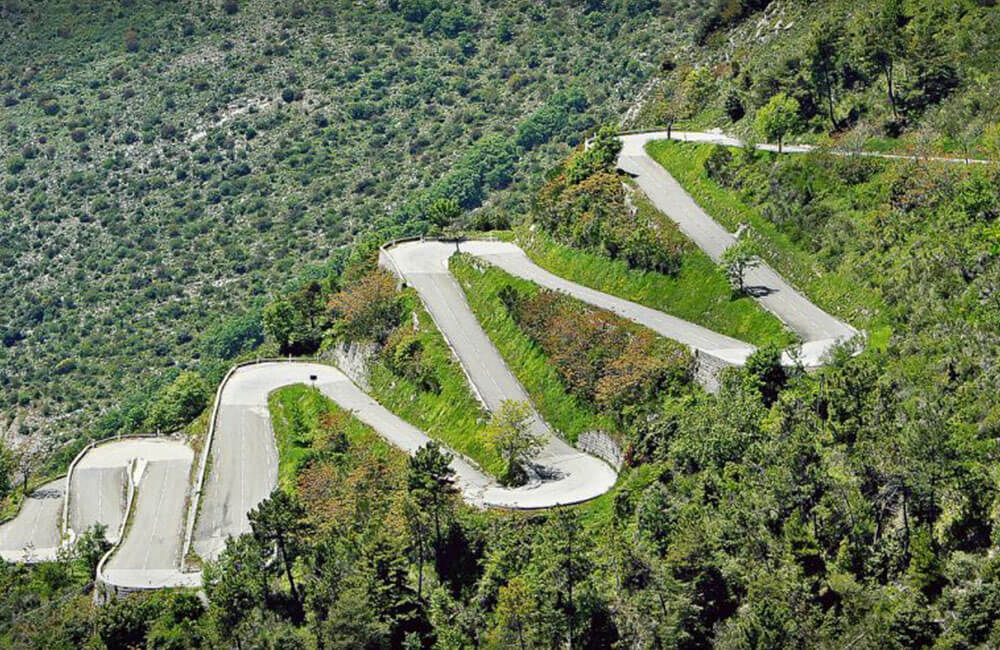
<point x="855" y="506"/>
<point x="601" y="358"/>
<point x="587" y="206"/>
<point x="864" y="71"/>
<point x="167" y="164"/>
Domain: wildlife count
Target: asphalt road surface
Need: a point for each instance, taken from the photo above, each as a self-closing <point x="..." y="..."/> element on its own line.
<point x="97" y="496"/>
<point x="33" y="535"/>
<point x="149" y="556"/>
<point x="243" y="467"/>
<point x="512" y="259"/>
<point x="244" y="461"/>
<point x="571" y="475"/>
<point x="818" y="330"/>
<point x="244" y="457"/>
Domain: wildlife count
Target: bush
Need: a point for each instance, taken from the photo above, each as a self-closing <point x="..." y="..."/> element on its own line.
<point x="593" y="214"/>
<point x="600" y="357"/>
<point x="179" y="403"/>
<point x="368" y="310"/>
<point x="718" y="165"/>
<point x="404" y="356"/>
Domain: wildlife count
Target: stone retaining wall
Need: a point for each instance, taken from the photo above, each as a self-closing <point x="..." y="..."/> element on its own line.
<point x="600" y="444"/>
<point x="708" y="368"/>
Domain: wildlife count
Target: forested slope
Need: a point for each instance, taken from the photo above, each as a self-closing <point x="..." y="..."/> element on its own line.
<point x="167" y="164"/>
<point x="907" y="75"/>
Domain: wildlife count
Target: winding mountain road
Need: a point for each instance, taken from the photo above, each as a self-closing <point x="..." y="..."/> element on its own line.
<point x="818" y="330"/>
<point x="34" y="534"/>
<point x="239" y="466"/>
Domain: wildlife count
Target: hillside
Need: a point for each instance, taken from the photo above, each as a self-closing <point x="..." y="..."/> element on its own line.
<point x="897" y="75"/>
<point x="167" y="165"/>
<point x="850" y="501"/>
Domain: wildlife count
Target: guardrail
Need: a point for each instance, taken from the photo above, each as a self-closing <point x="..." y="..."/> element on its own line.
<point x="195" y="501"/>
<point x="207" y="448"/>
<point x="202" y="463"/>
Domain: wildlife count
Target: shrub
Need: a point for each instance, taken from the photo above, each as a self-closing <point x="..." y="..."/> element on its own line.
<point x="718" y="165"/>
<point x="404" y="356"/>
<point x="179" y="403"/>
<point x="368" y="310"/>
<point x="599" y="356"/>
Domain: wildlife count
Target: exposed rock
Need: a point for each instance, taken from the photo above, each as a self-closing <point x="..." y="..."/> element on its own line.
<point x="353" y="359"/>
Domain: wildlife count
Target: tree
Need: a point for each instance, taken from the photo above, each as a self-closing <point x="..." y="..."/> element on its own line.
<point x="283" y="324"/>
<point x="566" y="565"/>
<point x="444" y="212"/>
<point x="124" y="622"/>
<point x="668" y="110"/>
<point x="281" y="520"/>
<point x="991" y="140"/>
<point x="822" y="55"/>
<point x="511" y="432"/>
<point x="958" y="121"/>
<point x="605" y="147"/>
<point x="178" y="627"/>
<point x="25" y="462"/>
<point x="308" y="302"/>
<point x="737" y="260"/>
<point x="7" y="467"/>
<point x="91" y="546"/>
<point x="430" y="480"/>
<point x="236" y="584"/>
<point x="765" y="374"/>
<point x="515" y="610"/>
<point x="879" y="41"/>
<point x="179" y="403"/>
<point x="369" y="309"/>
<point x="778" y="118"/>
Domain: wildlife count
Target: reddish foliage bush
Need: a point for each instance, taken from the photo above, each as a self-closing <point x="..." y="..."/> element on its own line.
<point x="600" y="357"/>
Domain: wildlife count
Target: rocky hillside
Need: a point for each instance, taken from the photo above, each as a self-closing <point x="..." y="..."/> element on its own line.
<point x="168" y="164"/>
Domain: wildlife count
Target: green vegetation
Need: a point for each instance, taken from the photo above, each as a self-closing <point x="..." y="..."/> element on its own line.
<point x="308" y="425"/>
<point x="777" y="118"/>
<point x="698" y="292"/>
<point x="916" y="76"/>
<point x="436" y="398"/>
<point x="181" y="401"/>
<point x="853" y="506"/>
<point x="737" y="260"/>
<point x="482" y="285"/>
<point x="512" y="435"/>
<point x="166" y="167"/>
<point x="838" y="290"/>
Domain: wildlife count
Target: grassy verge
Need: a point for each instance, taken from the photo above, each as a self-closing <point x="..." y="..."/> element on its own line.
<point x="837" y="292"/>
<point x="297" y="412"/>
<point x="454" y="416"/>
<point x="598" y="514"/>
<point x="532" y="368"/>
<point x="698" y="293"/>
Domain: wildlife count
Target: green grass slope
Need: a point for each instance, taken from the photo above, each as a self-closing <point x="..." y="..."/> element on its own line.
<point x="699" y="293"/>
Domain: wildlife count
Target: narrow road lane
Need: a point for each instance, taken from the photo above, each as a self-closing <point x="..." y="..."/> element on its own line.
<point x="34" y="533"/>
<point x="818" y="330"/>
